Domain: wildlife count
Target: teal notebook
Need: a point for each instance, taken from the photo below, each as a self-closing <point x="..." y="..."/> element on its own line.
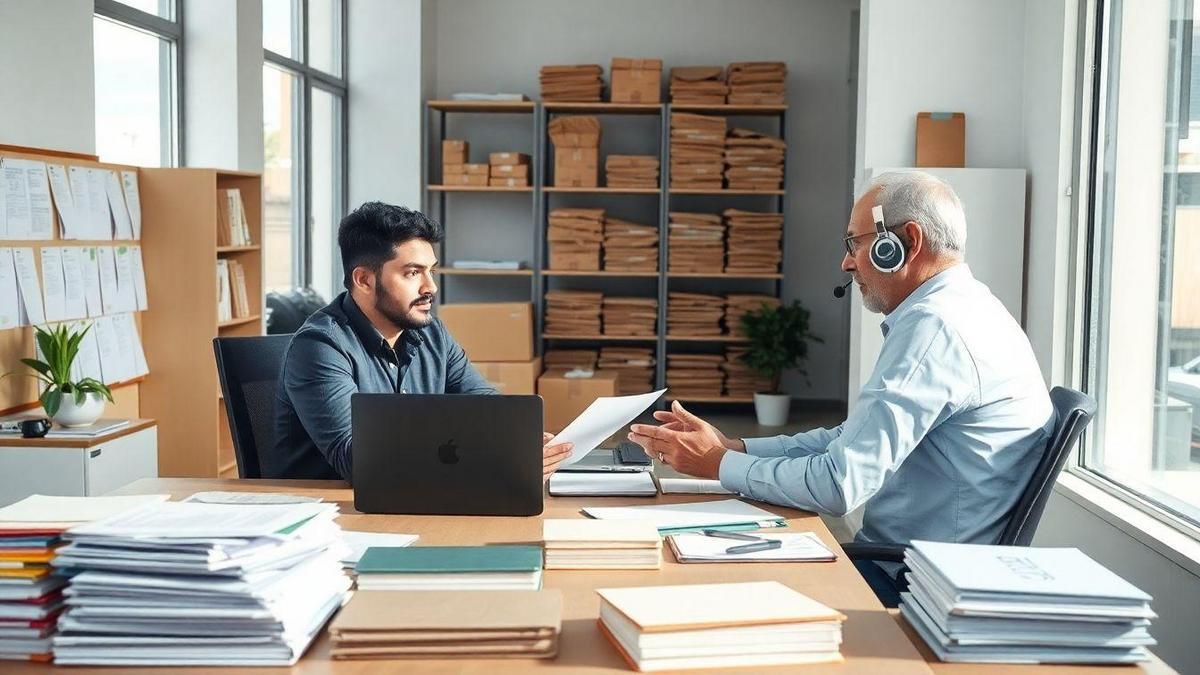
<point x="449" y="559"/>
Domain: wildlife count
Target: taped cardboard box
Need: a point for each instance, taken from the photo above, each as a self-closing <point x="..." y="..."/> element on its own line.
<point x="510" y="171"/>
<point x="509" y="158"/>
<point x="941" y="139"/>
<point x="465" y="179"/>
<point x="508" y="182"/>
<point x="493" y="331"/>
<point x="454" y="151"/>
<point x="565" y="398"/>
<point x="512" y="377"/>
<point x="636" y="80"/>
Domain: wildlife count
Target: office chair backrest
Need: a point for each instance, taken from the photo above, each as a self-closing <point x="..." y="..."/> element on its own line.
<point x="249" y="370"/>
<point x="1074" y="410"/>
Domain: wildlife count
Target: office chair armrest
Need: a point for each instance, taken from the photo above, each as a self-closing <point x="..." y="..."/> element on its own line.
<point x="877" y="552"/>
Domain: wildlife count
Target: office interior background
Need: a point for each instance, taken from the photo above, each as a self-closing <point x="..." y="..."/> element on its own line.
<point x="1081" y="181"/>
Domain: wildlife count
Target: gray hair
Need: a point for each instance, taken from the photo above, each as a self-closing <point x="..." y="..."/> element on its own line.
<point x="927" y="200"/>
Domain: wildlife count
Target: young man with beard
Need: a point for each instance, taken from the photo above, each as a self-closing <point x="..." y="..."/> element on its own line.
<point x="377" y="337"/>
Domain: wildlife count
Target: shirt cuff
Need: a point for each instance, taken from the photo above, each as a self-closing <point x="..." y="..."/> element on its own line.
<point x="765" y="447"/>
<point x="734" y="472"/>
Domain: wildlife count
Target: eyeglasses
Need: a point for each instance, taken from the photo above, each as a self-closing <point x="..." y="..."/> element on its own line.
<point x="852" y="245"/>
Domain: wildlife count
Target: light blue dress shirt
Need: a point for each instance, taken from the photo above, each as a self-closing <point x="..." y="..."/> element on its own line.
<point x="943" y="438"/>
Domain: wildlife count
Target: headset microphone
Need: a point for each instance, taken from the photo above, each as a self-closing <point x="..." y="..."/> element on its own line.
<point x="840" y="291"/>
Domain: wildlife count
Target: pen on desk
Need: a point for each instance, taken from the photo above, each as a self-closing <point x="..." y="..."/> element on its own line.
<point x="764" y="545"/>
<point x="738" y="536"/>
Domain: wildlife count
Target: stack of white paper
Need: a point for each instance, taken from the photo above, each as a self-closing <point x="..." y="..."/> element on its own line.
<point x="1012" y="604"/>
<point x="189" y="583"/>
<point x="726" y="514"/>
<point x="577" y="544"/>
<point x="602" y="484"/>
<point x="693" y="547"/>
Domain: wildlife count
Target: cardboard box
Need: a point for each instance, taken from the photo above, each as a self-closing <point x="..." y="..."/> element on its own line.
<point x="493" y="331"/>
<point x="577" y="167"/>
<point x="454" y="152"/>
<point x="512" y="377"/>
<point x="464" y="179"/>
<point x="508" y="182"/>
<point x="508" y="158"/>
<point x="564" y="398"/>
<point x="941" y="139"/>
<point x="510" y="171"/>
<point x="636" y="80"/>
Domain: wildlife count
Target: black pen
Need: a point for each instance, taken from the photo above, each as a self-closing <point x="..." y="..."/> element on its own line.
<point x="737" y="536"/>
<point x="762" y="545"/>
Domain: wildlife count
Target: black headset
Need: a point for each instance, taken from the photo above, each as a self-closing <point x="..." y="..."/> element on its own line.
<point x="887" y="251"/>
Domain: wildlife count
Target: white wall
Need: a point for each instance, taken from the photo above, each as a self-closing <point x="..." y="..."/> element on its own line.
<point x="46" y="65"/>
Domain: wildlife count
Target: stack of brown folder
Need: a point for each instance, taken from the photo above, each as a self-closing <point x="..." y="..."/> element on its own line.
<point x="572" y="83"/>
<point x="698" y="85"/>
<point x="754" y="160"/>
<point x="741" y="381"/>
<point x="630" y="316"/>
<point x="695" y="375"/>
<point x="697" y="151"/>
<point x="753" y="241"/>
<point x="757" y="83"/>
<point x="738" y="304"/>
<point x="448" y="624"/>
<point x="508" y="169"/>
<point x="694" y="314"/>
<point x="696" y="243"/>
<point x="634" y="367"/>
<point x="570" y="359"/>
<point x="573" y="312"/>
<point x="630" y="247"/>
<point x="631" y="171"/>
<point x="575" y="236"/>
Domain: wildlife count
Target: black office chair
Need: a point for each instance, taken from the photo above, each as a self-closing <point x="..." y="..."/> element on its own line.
<point x="249" y="370"/>
<point x="1074" y="411"/>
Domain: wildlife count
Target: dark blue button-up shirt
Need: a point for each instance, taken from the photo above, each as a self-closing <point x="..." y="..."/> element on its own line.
<point x="337" y="353"/>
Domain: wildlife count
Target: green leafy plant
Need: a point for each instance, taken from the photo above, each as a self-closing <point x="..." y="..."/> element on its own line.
<point x="779" y="338"/>
<point x="59" y="347"/>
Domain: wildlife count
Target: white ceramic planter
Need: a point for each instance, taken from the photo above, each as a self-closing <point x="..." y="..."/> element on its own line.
<point x="71" y="415"/>
<point x="772" y="409"/>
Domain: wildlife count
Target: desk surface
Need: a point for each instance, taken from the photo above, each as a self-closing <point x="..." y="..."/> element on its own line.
<point x="17" y="441"/>
<point x="874" y="641"/>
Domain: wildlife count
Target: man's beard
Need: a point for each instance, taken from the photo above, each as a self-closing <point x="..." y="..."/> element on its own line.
<point x="872" y="300"/>
<point x="406" y="318"/>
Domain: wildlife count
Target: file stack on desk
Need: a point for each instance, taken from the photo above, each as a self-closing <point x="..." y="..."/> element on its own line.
<point x="31" y="598"/>
<point x="1011" y="604"/>
<point x="725" y="514"/>
<point x="190" y="583"/>
<point x="602" y="484"/>
<point x="719" y="626"/>
<point x="444" y="624"/>
<point x="451" y="568"/>
<point x="694" y="547"/>
<point x="575" y="544"/>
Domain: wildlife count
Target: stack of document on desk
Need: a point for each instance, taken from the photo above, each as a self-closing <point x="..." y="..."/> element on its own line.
<point x="576" y="544"/>
<point x="31" y="597"/>
<point x="425" y="624"/>
<point x="602" y="484"/>
<point x="726" y="514"/>
<point x="188" y="583"/>
<point x="693" y="547"/>
<point x="719" y="626"/>
<point x="450" y="568"/>
<point x="1011" y="604"/>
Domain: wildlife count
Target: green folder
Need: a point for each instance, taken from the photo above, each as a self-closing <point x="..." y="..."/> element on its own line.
<point x="449" y="559"/>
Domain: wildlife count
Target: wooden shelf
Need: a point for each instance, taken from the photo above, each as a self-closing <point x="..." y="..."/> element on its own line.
<point x="691" y="191"/>
<point x="238" y="249"/>
<point x="714" y="338"/>
<point x="485" y="273"/>
<point x="578" y="273"/>
<point x="478" y="188"/>
<point x="603" y="190"/>
<point x="709" y="399"/>
<point x="622" y="338"/>
<point x="603" y="108"/>
<point x="730" y="109"/>
<point x="483" y="106"/>
<point x="239" y="321"/>
<point x="723" y="275"/>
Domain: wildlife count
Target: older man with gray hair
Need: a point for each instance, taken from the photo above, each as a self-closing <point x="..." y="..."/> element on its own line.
<point x="949" y="427"/>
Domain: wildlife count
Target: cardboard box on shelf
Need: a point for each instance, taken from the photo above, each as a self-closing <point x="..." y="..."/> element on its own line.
<point x="512" y="377"/>
<point x="465" y="179"/>
<point x="508" y="158"/>
<point x="636" y="80"/>
<point x="941" y="139"/>
<point x="565" y="397"/>
<point x="454" y="151"/>
<point x="492" y="331"/>
<point x="510" y="171"/>
<point x="577" y="167"/>
<point x="508" y="182"/>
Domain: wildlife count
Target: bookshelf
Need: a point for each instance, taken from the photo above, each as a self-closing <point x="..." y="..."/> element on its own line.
<point x="181" y="254"/>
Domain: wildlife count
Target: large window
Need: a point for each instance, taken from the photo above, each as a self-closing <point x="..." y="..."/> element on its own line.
<point x="304" y="131"/>
<point x="1141" y="300"/>
<point x="137" y="81"/>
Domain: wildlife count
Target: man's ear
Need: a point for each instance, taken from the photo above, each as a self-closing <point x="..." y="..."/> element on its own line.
<point x="362" y="278"/>
<point x="913" y="238"/>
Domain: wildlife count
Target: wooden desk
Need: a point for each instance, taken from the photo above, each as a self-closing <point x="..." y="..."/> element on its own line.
<point x="873" y="641"/>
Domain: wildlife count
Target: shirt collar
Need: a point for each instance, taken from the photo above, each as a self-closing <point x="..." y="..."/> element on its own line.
<point x="932" y="285"/>
<point x="368" y="333"/>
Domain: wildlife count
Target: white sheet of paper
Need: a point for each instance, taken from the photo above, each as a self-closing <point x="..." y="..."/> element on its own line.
<point x="232" y="497"/>
<point x="116" y="202"/>
<point x="139" y="277"/>
<point x="359" y="542"/>
<point x="17" y="217"/>
<point x="53" y="286"/>
<point x="126" y="291"/>
<point x="98" y="197"/>
<point x="206" y="521"/>
<point x="603" y="418"/>
<point x="133" y="201"/>
<point x="691" y="486"/>
<point x="87" y="362"/>
<point x="74" y="290"/>
<point x="81" y="196"/>
<point x="60" y="188"/>
<point x="795" y="546"/>
<point x="602" y="483"/>
<point x="112" y="364"/>
<point x="31" y="290"/>
<point x="91" y="281"/>
<point x="42" y="508"/>
<point x="41" y="215"/>
<point x="130" y="341"/>
<point x="109" y="291"/>
<point x="10" y="296"/>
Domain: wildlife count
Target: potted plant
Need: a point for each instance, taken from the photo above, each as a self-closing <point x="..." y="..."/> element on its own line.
<point x="779" y="338"/>
<point x="69" y="402"/>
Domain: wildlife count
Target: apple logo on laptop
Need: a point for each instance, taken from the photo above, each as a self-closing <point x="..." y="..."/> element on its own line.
<point x="448" y="452"/>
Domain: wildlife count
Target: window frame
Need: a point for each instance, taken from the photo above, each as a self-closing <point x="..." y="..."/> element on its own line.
<point x="170" y="31"/>
<point x="1091" y="90"/>
<point x="309" y="77"/>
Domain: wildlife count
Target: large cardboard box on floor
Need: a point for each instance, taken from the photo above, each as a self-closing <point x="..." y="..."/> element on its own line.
<point x="565" y="397"/>
<point x="512" y="377"/>
<point x="491" y="331"/>
<point x="636" y="80"/>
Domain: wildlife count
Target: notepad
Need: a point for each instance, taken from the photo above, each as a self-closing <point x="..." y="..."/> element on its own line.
<point x="692" y="547"/>
<point x="579" y="543"/>
<point x="451" y="568"/>
<point x="693" y="486"/>
<point x="602" y="484"/>
<point x="728" y="514"/>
